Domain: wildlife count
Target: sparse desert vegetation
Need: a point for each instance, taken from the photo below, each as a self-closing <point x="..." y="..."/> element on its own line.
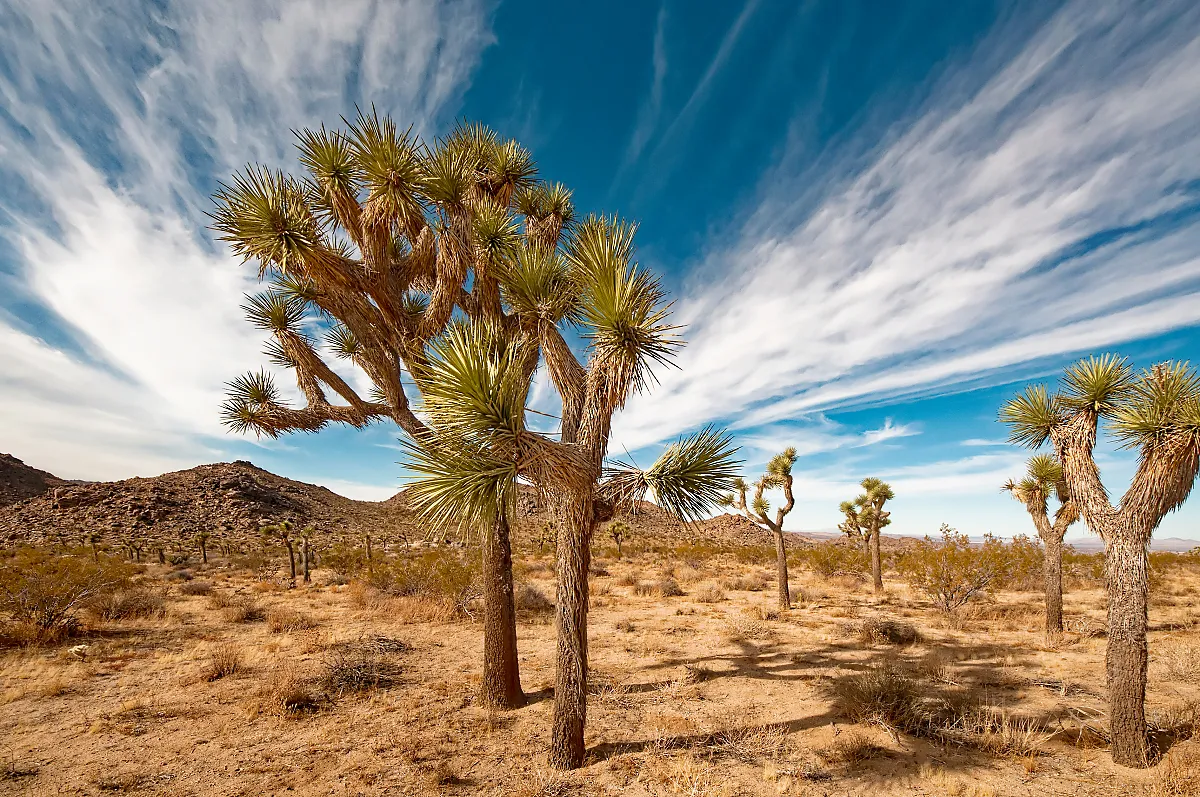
<point x="369" y="681"/>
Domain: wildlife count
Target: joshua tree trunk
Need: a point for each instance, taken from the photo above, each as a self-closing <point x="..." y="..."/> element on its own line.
<point x="501" y="671"/>
<point x="781" y="571"/>
<point x="162" y="557"/>
<point x="876" y="562"/>
<point x="370" y="567"/>
<point x="1052" y="569"/>
<point x="304" y="560"/>
<point x="570" y="682"/>
<point x="203" y="552"/>
<point x="1125" y="660"/>
<point x="291" y="558"/>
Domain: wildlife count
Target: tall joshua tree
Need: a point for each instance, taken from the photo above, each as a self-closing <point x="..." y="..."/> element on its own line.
<point x="474" y="394"/>
<point x="778" y="475"/>
<point x="374" y="249"/>
<point x="875" y="494"/>
<point x="1157" y="413"/>
<point x="282" y="531"/>
<point x="1044" y="478"/>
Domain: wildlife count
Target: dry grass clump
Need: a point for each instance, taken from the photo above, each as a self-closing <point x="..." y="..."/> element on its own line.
<point x="136" y="603"/>
<point x="744" y="628"/>
<point x="998" y="733"/>
<point x="688" y="774"/>
<point x="225" y="660"/>
<point x="196" y="588"/>
<point x="668" y="587"/>
<point x="288" y="692"/>
<point x="851" y="747"/>
<point x="711" y="594"/>
<point x="744" y="584"/>
<point x="236" y="609"/>
<point x="284" y="618"/>
<point x="1178" y="774"/>
<point x="886" y="697"/>
<point x="358" y="668"/>
<point x="877" y="631"/>
<point x="531" y="602"/>
<point x="1179" y="660"/>
<point x="628" y="580"/>
<point x="643" y="589"/>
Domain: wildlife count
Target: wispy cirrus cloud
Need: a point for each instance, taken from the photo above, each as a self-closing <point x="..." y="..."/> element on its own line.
<point x="118" y="120"/>
<point x="1046" y="211"/>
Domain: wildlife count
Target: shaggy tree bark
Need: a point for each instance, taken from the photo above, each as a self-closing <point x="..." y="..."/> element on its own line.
<point x="501" y="670"/>
<point x="876" y="561"/>
<point x="571" y="662"/>
<point x="1126" y="657"/>
<point x="1053" y="576"/>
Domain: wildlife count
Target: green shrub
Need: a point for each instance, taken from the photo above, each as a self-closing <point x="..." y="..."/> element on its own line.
<point x="831" y="559"/>
<point x="136" y="603"/>
<point x="436" y="573"/>
<point x="953" y="572"/>
<point x="345" y="561"/>
<point x="47" y="590"/>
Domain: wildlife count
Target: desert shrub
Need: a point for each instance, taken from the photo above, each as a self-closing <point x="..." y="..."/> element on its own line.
<point x="624" y="626"/>
<point x="1083" y="566"/>
<point x="138" y="602"/>
<point x="196" y="588"/>
<point x="711" y="594"/>
<point x="877" y="631"/>
<point x="832" y="559"/>
<point x="179" y="559"/>
<point x="288" y="692"/>
<point x="745" y="583"/>
<point x="436" y="573"/>
<point x="179" y="575"/>
<point x="239" y="610"/>
<point x="358" y="668"/>
<point x="344" y="561"/>
<point x="852" y="747"/>
<point x="531" y="601"/>
<point x="1025" y="559"/>
<point x="667" y="588"/>
<point x="954" y="572"/>
<point x="643" y="589"/>
<point x="627" y="580"/>
<point x="225" y="660"/>
<point x="284" y="618"/>
<point x="47" y="590"/>
<point x="886" y="697"/>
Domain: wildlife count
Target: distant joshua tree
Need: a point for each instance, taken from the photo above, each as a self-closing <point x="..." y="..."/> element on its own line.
<point x="854" y="525"/>
<point x="282" y="531"/>
<point x="777" y="476"/>
<point x="202" y="542"/>
<point x="306" y="552"/>
<point x="871" y="514"/>
<point x="618" y="531"/>
<point x="1157" y="413"/>
<point x="1044" y="478"/>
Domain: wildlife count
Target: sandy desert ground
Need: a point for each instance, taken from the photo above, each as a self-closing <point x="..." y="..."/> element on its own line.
<point x="252" y="689"/>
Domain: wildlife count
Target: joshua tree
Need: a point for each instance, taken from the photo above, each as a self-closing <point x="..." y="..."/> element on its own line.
<point x="1157" y="413"/>
<point x="379" y="245"/>
<point x="305" y="552"/>
<point x="1043" y="478"/>
<point x="778" y="475"/>
<point x="94" y="539"/>
<point x="202" y="541"/>
<point x="282" y="531"/>
<point x="618" y="531"/>
<point x="475" y="400"/>
<point x="854" y="525"/>
<point x="873" y="517"/>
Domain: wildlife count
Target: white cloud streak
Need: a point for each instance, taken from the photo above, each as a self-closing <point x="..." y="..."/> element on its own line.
<point x="118" y="121"/>
<point x="942" y="259"/>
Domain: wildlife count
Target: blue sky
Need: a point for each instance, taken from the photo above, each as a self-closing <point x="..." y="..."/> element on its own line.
<point x="878" y="220"/>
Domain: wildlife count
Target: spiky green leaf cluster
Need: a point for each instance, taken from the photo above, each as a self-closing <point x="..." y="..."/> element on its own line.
<point x="690" y="477"/>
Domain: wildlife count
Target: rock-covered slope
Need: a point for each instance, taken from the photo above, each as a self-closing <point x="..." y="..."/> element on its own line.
<point x="19" y="481"/>
<point x="229" y="501"/>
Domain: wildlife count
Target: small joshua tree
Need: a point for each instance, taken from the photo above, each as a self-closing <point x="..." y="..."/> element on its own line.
<point x="1157" y="413"/>
<point x="778" y="475"/>
<point x="618" y="531"/>
<point x="1043" y="478"/>
<point x="282" y="531"/>
<point x="94" y="539"/>
<point x="202" y="542"/>
<point x="854" y="525"/>
<point x="873" y="517"/>
<point x="306" y="552"/>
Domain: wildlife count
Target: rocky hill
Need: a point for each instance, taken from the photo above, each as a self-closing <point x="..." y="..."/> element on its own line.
<point x="19" y="481"/>
<point x="229" y="501"/>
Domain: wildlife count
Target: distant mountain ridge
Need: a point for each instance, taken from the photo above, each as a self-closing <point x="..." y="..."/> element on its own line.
<point x="19" y="481"/>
